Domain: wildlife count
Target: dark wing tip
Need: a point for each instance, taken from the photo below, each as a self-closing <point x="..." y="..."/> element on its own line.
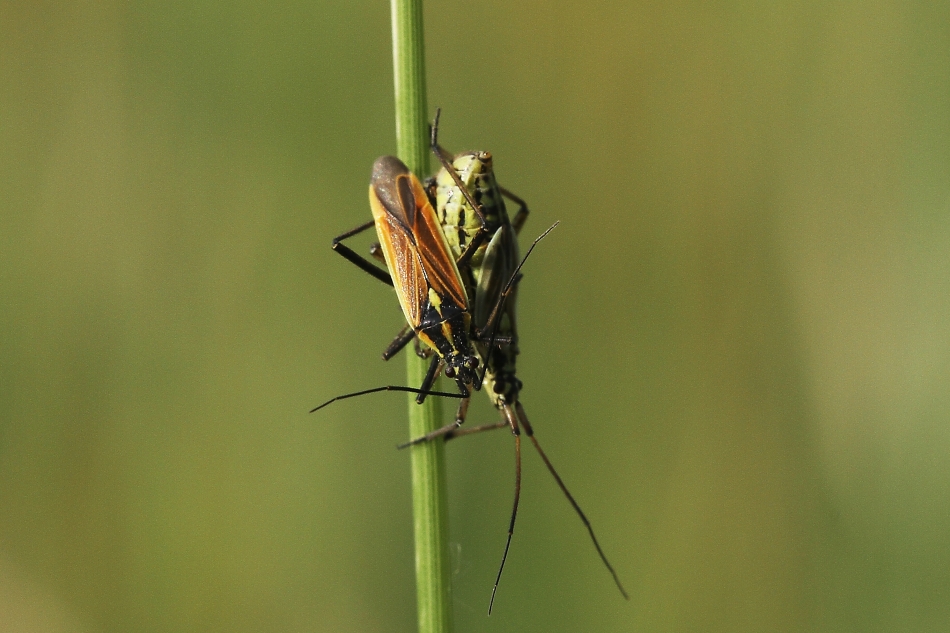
<point x="393" y="183"/>
<point x="387" y="168"/>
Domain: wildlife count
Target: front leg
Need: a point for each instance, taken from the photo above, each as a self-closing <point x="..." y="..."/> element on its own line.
<point x="402" y="339"/>
<point x="362" y="262"/>
<point x="522" y="215"/>
<point x="460" y="415"/>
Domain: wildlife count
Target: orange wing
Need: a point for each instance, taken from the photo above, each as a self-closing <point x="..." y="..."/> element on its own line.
<point x="418" y="257"/>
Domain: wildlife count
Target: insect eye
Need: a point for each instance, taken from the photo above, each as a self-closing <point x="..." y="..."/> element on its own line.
<point x="450" y="372"/>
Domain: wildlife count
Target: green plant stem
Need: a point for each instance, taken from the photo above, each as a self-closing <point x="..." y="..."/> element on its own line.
<point x="429" y="496"/>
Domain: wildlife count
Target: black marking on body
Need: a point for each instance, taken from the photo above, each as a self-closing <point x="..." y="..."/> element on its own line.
<point x="435" y="332"/>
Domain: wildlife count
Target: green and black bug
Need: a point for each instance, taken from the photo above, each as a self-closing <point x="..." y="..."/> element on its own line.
<point x="465" y="192"/>
<point x="452" y="255"/>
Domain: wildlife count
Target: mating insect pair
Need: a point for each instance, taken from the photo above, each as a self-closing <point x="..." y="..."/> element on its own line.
<point x="451" y="253"/>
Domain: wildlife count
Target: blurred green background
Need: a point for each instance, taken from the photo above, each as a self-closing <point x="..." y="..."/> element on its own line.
<point x="736" y="346"/>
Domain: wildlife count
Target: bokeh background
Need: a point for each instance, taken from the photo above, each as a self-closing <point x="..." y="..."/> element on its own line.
<point x="736" y="346"/>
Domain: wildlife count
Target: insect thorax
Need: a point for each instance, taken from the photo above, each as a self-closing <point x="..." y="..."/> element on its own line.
<point x="444" y="327"/>
<point x="459" y="221"/>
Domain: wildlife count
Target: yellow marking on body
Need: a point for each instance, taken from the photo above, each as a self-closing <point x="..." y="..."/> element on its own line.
<point x="425" y="338"/>
<point x="435" y="300"/>
<point x="447" y="332"/>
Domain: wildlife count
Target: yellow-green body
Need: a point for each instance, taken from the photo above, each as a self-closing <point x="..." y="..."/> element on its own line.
<point x="459" y="221"/>
<point x="490" y="267"/>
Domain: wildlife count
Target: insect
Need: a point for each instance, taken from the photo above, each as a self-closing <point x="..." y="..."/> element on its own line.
<point x="455" y="268"/>
<point x="463" y="182"/>
<point x="427" y="281"/>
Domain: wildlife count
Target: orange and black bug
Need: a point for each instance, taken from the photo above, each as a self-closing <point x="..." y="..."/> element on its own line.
<point x="428" y="285"/>
<point x="424" y="275"/>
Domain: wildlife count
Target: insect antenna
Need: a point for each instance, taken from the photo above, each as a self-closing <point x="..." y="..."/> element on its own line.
<point x="440" y="151"/>
<point x="424" y="390"/>
<point x="547" y="462"/>
<point x="496" y="311"/>
<point x="427" y="392"/>
<point x="513" y="422"/>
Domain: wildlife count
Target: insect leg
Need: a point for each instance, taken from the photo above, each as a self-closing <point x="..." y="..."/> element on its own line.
<point x="422" y="351"/>
<point x="522" y="215"/>
<point x="530" y="432"/>
<point x="448" y="428"/>
<point x="402" y="339"/>
<point x="357" y="259"/>
<point x="429" y="379"/>
<point x="451" y="435"/>
<point x="377" y="252"/>
<point x="513" y="422"/>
